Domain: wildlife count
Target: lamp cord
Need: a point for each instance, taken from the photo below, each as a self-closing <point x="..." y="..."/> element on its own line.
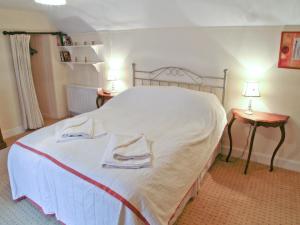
<point x="244" y="150"/>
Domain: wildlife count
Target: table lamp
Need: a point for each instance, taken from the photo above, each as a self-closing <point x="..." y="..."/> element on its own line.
<point x="251" y="90"/>
<point x="113" y="77"/>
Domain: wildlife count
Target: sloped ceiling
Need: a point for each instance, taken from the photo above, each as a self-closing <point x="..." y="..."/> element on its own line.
<point x="91" y="15"/>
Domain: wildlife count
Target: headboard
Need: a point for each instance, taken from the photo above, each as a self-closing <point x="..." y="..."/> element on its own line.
<point x="181" y="77"/>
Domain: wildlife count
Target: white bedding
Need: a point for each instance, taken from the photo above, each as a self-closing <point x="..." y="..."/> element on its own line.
<point x="68" y="179"/>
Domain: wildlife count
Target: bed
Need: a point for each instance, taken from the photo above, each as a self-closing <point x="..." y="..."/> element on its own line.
<point x="185" y="124"/>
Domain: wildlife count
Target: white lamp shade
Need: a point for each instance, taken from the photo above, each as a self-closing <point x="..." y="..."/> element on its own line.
<point x="251" y="90"/>
<point x="51" y="2"/>
<point x="112" y="75"/>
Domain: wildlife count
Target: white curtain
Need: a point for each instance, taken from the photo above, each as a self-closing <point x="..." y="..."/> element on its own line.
<point x="31" y="114"/>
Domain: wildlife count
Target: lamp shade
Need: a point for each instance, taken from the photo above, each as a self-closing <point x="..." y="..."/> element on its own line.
<point x="251" y="90"/>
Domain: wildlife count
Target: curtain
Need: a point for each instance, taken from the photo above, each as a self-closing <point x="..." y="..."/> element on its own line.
<point x="31" y="114"/>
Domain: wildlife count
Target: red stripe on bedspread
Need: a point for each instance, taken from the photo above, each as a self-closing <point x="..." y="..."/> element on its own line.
<point x="91" y="181"/>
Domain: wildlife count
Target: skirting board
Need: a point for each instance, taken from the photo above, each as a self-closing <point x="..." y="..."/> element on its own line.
<point x="12" y="132"/>
<point x="264" y="159"/>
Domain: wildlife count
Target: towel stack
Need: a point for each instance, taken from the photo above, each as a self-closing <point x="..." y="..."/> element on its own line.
<point x="122" y="151"/>
<point x="80" y="128"/>
<point x="127" y="152"/>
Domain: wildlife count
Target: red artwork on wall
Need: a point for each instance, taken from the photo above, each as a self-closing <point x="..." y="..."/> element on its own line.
<point x="289" y="54"/>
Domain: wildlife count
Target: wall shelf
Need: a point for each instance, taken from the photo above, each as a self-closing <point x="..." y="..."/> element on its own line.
<point x="93" y="52"/>
<point x="80" y="46"/>
<point x="95" y="64"/>
<point x="70" y="48"/>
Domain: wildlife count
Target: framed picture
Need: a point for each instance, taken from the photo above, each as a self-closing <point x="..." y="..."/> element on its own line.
<point x="289" y="54"/>
<point x="65" y="56"/>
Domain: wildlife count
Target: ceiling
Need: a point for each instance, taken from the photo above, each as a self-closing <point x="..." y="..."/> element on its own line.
<point x="91" y="15"/>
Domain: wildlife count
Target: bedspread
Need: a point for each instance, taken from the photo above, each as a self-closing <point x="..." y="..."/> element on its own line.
<point x="67" y="178"/>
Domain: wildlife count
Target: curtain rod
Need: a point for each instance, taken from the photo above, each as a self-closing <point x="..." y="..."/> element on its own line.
<point x="25" y="32"/>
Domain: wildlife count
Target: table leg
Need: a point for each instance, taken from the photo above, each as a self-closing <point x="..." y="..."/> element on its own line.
<point x="97" y="101"/>
<point x="250" y="148"/>
<point x="230" y="138"/>
<point x="278" y="146"/>
<point x="102" y="101"/>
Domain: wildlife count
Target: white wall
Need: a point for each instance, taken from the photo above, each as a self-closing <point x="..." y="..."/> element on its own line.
<point x="10" y="117"/>
<point x="248" y="53"/>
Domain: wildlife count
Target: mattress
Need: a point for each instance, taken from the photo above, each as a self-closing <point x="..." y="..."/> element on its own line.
<point x="67" y="179"/>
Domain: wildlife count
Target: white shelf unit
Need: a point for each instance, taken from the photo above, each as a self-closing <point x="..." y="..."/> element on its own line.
<point x="71" y="48"/>
<point x="95" y="47"/>
<point x="95" y="64"/>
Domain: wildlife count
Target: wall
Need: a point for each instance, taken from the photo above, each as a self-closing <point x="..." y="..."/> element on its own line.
<point x="248" y="52"/>
<point x="10" y="119"/>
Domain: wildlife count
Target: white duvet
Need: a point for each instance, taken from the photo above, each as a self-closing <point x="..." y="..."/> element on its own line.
<point x="68" y="179"/>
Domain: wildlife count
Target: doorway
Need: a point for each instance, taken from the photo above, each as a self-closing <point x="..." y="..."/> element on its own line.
<point x="42" y="72"/>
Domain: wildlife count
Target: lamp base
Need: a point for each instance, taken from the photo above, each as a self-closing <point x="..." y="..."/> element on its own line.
<point x="248" y="112"/>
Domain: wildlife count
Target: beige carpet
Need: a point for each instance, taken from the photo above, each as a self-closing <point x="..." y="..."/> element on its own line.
<point x="226" y="197"/>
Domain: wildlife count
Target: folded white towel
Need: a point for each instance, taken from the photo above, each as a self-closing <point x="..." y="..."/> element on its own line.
<point x="146" y="163"/>
<point x="136" y="148"/>
<point x="84" y="129"/>
<point x="80" y="128"/>
<point x="127" y="152"/>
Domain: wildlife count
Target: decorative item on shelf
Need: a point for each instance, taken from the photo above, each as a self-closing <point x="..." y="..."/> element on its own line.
<point x="75" y="43"/>
<point x="251" y="90"/>
<point x="85" y="43"/>
<point x="112" y="77"/>
<point x="85" y="59"/>
<point x="65" y="56"/>
<point x="289" y="55"/>
<point x="75" y="59"/>
<point x="93" y="42"/>
<point x="61" y="56"/>
<point x="67" y="41"/>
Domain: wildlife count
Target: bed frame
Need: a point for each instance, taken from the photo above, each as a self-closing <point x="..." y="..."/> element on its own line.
<point x="181" y="77"/>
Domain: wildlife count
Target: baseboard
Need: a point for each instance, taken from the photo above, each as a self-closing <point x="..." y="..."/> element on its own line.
<point x="265" y="159"/>
<point x="12" y="132"/>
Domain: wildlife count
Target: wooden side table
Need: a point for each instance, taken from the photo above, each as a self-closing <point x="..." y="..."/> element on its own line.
<point x="2" y="142"/>
<point x="102" y="97"/>
<point x="258" y="119"/>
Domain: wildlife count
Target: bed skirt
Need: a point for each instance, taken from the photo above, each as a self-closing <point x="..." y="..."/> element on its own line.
<point x="193" y="191"/>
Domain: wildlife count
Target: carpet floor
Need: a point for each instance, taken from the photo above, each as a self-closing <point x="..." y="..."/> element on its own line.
<point x="226" y="197"/>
